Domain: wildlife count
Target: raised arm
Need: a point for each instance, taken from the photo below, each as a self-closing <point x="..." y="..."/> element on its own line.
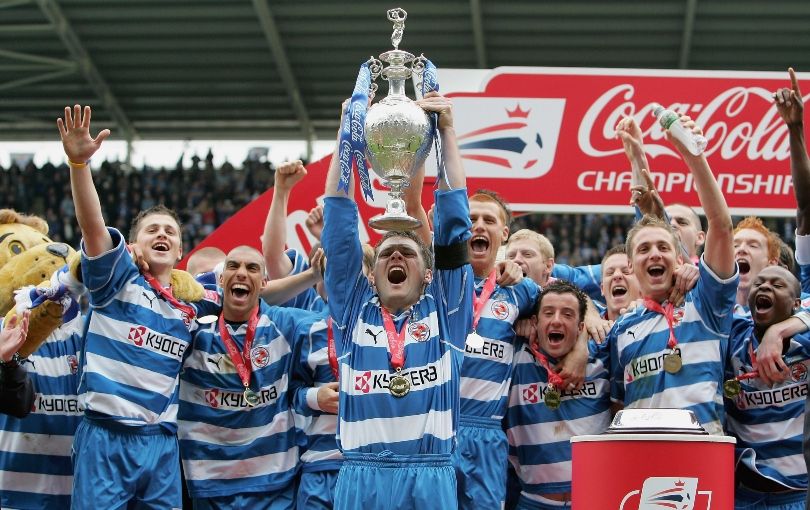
<point x="279" y="291"/>
<point x="79" y="148"/>
<point x="333" y="174"/>
<point x="413" y="204"/>
<point x="630" y="134"/>
<point x="434" y="102"/>
<point x="274" y="237"/>
<point x="719" y="252"/>
<point x="790" y="105"/>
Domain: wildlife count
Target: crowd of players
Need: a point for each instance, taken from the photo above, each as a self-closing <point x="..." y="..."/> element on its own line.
<point x="423" y="372"/>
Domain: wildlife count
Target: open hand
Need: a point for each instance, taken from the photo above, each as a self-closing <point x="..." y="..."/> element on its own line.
<point x="75" y="133"/>
<point x="13" y="335"/>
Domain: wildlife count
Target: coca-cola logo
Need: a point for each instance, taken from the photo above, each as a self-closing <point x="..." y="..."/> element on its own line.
<point x="740" y="121"/>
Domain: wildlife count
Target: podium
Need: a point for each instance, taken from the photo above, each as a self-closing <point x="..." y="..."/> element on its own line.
<point x="652" y="471"/>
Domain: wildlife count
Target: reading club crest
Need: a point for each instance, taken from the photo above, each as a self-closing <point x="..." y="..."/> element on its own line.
<point x="259" y="356"/>
<point x="419" y="331"/>
<point x="500" y="310"/>
<point x="799" y="372"/>
<point x="73" y="363"/>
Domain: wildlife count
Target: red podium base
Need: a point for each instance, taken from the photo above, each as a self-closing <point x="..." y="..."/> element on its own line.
<point x="652" y="472"/>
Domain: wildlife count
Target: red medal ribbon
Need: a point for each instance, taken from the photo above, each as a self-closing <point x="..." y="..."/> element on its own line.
<point x="240" y="361"/>
<point x="396" y="340"/>
<point x="478" y="301"/>
<point x="755" y="372"/>
<point x="554" y="378"/>
<point x="668" y="311"/>
<point x="330" y="348"/>
<point x="166" y="293"/>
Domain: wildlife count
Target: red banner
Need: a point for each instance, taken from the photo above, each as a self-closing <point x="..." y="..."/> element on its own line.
<point x="545" y="140"/>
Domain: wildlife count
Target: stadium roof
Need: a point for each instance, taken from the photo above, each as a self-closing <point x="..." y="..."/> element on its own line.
<point x="262" y="69"/>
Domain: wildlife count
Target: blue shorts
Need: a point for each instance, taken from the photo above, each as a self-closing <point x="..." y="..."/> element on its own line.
<point x="120" y="467"/>
<point x="745" y="499"/>
<point x="316" y="490"/>
<point x="395" y="481"/>
<point x="283" y="499"/>
<point x="480" y="460"/>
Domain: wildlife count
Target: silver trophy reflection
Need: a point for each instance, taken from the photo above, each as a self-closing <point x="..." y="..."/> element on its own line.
<point x="398" y="132"/>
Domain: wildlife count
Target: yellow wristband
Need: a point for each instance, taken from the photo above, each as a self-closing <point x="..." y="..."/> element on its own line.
<point x="76" y="165"/>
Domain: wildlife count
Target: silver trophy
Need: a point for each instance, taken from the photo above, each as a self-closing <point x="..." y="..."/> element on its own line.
<point x="398" y="132"/>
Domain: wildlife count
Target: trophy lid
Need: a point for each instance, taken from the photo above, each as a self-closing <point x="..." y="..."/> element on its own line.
<point x="655" y="421"/>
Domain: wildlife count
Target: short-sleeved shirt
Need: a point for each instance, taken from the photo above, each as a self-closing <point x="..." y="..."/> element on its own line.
<point x="227" y="446"/>
<point x="135" y="342"/>
<point x="768" y="421"/>
<point x="487" y="370"/>
<point x="702" y="324"/>
<point x="36" y="470"/>
<point x="539" y="437"/>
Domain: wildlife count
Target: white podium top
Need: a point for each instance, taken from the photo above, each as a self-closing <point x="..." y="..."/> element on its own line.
<point x="684" y="438"/>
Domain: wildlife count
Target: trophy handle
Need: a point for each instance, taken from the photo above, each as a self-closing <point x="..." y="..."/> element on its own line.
<point x="376" y="67"/>
<point x="418" y="75"/>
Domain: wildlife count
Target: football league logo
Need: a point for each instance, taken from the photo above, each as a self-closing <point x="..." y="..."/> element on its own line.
<point x="668" y="493"/>
<point x="507" y="137"/>
<point x="419" y="331"/>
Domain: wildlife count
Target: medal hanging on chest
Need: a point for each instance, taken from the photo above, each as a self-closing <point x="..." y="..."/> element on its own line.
<point x="553" y="397"/>
<point x="474" y="340"/>
<point x="672" y="360"/>
<point x="242" y="360"/>
<point x="398" y="385"/>
<point x="732" y="387"/>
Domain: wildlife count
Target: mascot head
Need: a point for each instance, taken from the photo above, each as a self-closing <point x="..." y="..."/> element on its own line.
<point x="27" y="255"/>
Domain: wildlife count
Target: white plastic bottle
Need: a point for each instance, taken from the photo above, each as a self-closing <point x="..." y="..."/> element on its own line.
<point x="668" y="119"/>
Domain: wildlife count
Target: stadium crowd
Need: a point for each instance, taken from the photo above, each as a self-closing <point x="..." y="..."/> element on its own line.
<point x="204" y="196"/>
<point x="435" y="369"/>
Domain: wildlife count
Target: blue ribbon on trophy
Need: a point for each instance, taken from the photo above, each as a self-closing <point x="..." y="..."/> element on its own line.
<point x="430" y="83"/>
<point x="352" y="136"/>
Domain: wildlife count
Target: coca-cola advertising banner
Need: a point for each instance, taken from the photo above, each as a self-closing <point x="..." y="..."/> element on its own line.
<point x="544" y="138"/>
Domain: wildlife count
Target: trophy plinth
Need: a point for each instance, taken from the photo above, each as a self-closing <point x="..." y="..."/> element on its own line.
<point x="398" y="134"/>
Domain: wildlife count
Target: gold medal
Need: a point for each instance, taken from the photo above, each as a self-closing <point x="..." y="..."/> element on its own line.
<point x="732" y="388"/>
<point x="672" y="362"/>
<point x="552" y="398"/>
<point x="399" y="386"/>
<point x="251" y="398"/>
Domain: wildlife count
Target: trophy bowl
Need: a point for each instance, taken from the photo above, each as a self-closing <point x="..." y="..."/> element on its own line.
<point x="398" y="138"/>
